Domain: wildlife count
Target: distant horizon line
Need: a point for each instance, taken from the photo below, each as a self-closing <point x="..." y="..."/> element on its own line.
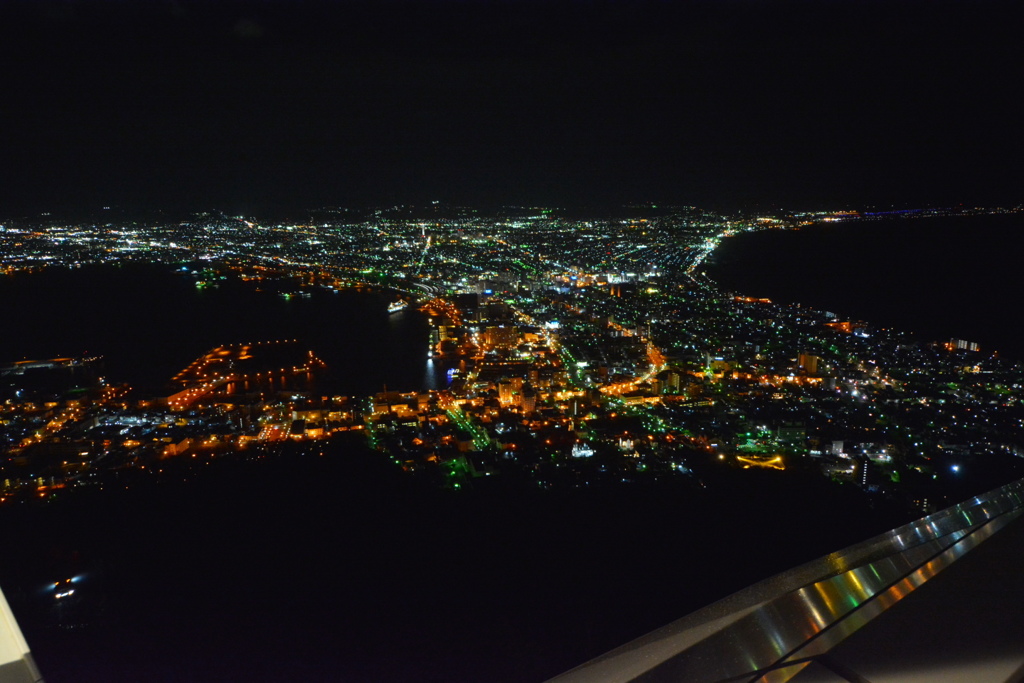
<point x="594" y="208"/>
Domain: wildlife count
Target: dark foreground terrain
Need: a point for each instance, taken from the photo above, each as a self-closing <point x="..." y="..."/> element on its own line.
<point x="338" y="567"/>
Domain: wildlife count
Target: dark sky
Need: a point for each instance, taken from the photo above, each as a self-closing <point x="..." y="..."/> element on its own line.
<point x="247" y="105"/>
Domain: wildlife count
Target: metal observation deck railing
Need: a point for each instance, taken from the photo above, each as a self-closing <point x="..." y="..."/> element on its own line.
<point x="774" y="629"/>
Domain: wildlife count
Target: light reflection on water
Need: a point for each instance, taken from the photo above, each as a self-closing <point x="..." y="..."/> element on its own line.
<point x="436" y="373"/>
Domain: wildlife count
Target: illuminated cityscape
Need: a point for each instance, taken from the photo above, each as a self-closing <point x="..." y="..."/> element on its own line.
<point x="510" y="340"/>
<point x="578" y="351"/>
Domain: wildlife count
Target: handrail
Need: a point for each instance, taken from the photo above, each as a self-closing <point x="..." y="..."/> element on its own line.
<point x="774" y="627"/>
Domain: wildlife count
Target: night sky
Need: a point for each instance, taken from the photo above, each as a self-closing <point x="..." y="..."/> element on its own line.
<point x="250" y="106"/>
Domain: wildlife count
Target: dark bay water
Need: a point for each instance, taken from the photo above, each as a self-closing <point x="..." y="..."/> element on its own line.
<point x="148" y="323"/>
<point x="937" y="277"/>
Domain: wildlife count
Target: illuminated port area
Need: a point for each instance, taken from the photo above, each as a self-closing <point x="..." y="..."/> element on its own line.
<point x="249" y="370"/>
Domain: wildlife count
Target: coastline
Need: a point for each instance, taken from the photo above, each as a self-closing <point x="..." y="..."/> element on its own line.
<point x="941" y="278"/>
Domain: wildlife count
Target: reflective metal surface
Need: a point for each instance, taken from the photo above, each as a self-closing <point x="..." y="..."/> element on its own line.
<point x="16" y="665"/>
<point x="773" y="630"/>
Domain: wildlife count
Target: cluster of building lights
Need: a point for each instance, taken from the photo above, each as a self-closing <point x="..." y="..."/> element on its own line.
<point x="567" y="331"/>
